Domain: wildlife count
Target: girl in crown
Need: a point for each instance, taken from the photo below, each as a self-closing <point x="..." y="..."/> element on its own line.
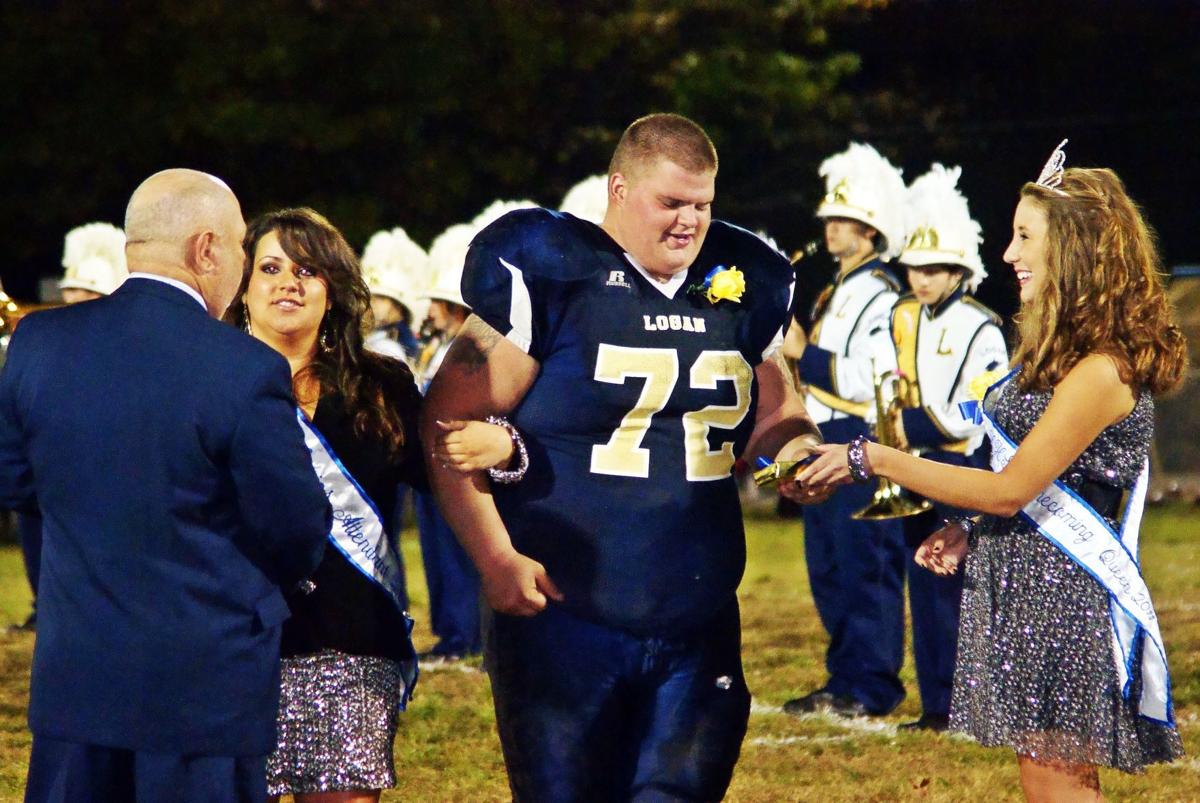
<point x="1060" y="654"/>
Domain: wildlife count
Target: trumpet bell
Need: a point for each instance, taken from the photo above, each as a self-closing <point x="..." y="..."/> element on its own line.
<point x="890" y="502"/>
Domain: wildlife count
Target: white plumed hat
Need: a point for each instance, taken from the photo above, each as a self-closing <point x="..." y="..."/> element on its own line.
<point x="939" y="228"/>
<point x="94" y="258"/>
<point x="587" y="200"/>
<point x="862" y="185"/>
<point x="396" y="267"/>
<point x="447" y="254"/>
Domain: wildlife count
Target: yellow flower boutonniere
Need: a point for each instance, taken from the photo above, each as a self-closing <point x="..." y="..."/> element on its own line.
<point x="723" y="284"/>
<point x="978" y="387"/>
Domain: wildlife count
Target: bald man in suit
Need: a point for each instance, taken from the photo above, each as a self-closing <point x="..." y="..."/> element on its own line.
<point x="178" y="498"/>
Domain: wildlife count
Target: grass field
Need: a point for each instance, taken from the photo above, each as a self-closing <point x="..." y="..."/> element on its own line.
<point x="447" y="748"/>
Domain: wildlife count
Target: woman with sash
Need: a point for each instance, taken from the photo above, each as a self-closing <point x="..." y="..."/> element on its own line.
<point x="348" y="664"/>
<point x="1060" y="654"/>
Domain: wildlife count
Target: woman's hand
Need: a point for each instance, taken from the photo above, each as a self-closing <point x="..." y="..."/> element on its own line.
<point x="831" y="467"/>
<point x="467" y="446"/>
<point x="943" y="551"/>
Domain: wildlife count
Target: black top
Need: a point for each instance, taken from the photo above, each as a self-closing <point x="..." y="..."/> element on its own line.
<point x="347" y="611"/>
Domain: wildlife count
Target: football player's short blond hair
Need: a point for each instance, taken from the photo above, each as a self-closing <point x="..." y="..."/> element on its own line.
<point x="664" y="136"/>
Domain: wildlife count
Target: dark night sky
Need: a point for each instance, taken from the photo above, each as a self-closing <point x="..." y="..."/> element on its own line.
<point x="1120" y="79"/>
<point x="990" y="85"/>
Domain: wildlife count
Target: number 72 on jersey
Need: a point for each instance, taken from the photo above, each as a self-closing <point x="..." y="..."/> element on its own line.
<point x="624" y="456"/>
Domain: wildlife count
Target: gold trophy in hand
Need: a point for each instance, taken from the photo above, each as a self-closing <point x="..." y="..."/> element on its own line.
<point x="769" y="473"/>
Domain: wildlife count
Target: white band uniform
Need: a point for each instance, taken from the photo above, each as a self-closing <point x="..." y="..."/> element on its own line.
<point x="358" y="532"/>
<point x="1074" y="526"/>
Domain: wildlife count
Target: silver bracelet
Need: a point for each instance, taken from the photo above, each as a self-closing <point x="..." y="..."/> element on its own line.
<point x="514" y="475"/>
<point x="856" y="459"/>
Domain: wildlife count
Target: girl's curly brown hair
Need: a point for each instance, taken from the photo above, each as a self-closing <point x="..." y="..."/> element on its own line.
<point x="370" y="384"/>
<point x="1103" y="292"/>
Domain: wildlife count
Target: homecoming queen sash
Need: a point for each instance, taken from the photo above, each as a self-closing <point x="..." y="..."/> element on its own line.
<point x="1074" y="526"/>
<point x="359" y="534"/>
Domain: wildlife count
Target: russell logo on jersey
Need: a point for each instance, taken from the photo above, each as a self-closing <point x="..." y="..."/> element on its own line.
<point x="616" y="278"/>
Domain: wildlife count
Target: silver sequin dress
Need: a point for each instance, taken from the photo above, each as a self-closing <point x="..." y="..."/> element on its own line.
<point x="1035" y="667"/>
<point x="338" y="715"/>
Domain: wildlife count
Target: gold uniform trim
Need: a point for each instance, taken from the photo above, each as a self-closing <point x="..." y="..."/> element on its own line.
<point x="826" y="398"/>
<point x="906" y="322"/>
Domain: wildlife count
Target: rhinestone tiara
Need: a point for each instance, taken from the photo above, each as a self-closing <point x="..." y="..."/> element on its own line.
<point x="1052" y="172"/>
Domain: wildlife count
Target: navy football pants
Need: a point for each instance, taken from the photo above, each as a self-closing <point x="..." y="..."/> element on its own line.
<point x="588" y="712"/>
<point x="69" y="772"/>
<point x="452" y="580"/>
<point x="856" y="570"/>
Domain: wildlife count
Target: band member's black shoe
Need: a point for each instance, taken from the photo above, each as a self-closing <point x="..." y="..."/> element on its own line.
<point x="819" y="700"/>
<point x="822" y="700"/>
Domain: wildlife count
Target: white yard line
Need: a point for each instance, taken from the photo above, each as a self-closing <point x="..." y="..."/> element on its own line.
<point x="453" y="666"/>
<point x="784" y="741"/>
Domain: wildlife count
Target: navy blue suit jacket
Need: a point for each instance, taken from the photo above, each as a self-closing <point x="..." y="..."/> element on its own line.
<point x="177" y="493"/>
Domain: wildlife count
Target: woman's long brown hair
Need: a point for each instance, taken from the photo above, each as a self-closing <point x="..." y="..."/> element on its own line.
<point x="1103" y="292"/>
<point x="370" y="384"/>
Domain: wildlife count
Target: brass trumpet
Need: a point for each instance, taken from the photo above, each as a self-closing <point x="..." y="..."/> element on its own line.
<point x="890" y="501"/>
<point x="10" y="313"/>
<point x="805" y="251"/>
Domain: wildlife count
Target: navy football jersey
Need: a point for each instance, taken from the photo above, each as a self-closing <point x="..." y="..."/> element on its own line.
<point x="641" y="405"/>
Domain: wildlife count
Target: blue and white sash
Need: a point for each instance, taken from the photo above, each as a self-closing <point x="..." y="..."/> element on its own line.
<point x="359" y="534"/>
<point x="1062" y="517"/>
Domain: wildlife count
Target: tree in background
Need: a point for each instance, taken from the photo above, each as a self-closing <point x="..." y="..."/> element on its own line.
<point x="413" y="113"/>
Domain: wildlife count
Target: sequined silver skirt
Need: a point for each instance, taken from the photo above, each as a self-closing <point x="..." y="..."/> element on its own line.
<point x="337" y="719"/>
<point x="1035" y="669"/>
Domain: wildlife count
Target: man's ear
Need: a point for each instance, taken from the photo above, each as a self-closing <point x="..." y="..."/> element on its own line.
<point x="618" y="187"/>
<point x="198" y="252"/>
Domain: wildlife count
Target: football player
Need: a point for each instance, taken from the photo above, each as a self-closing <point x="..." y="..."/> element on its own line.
<point x="639" y="358"/>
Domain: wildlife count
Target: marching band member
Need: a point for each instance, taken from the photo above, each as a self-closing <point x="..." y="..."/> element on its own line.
<point x="855" y="567"/>
<point x="94" y="258"/>
<point x="944" y="338"/>
<point x="394" y="268"/>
